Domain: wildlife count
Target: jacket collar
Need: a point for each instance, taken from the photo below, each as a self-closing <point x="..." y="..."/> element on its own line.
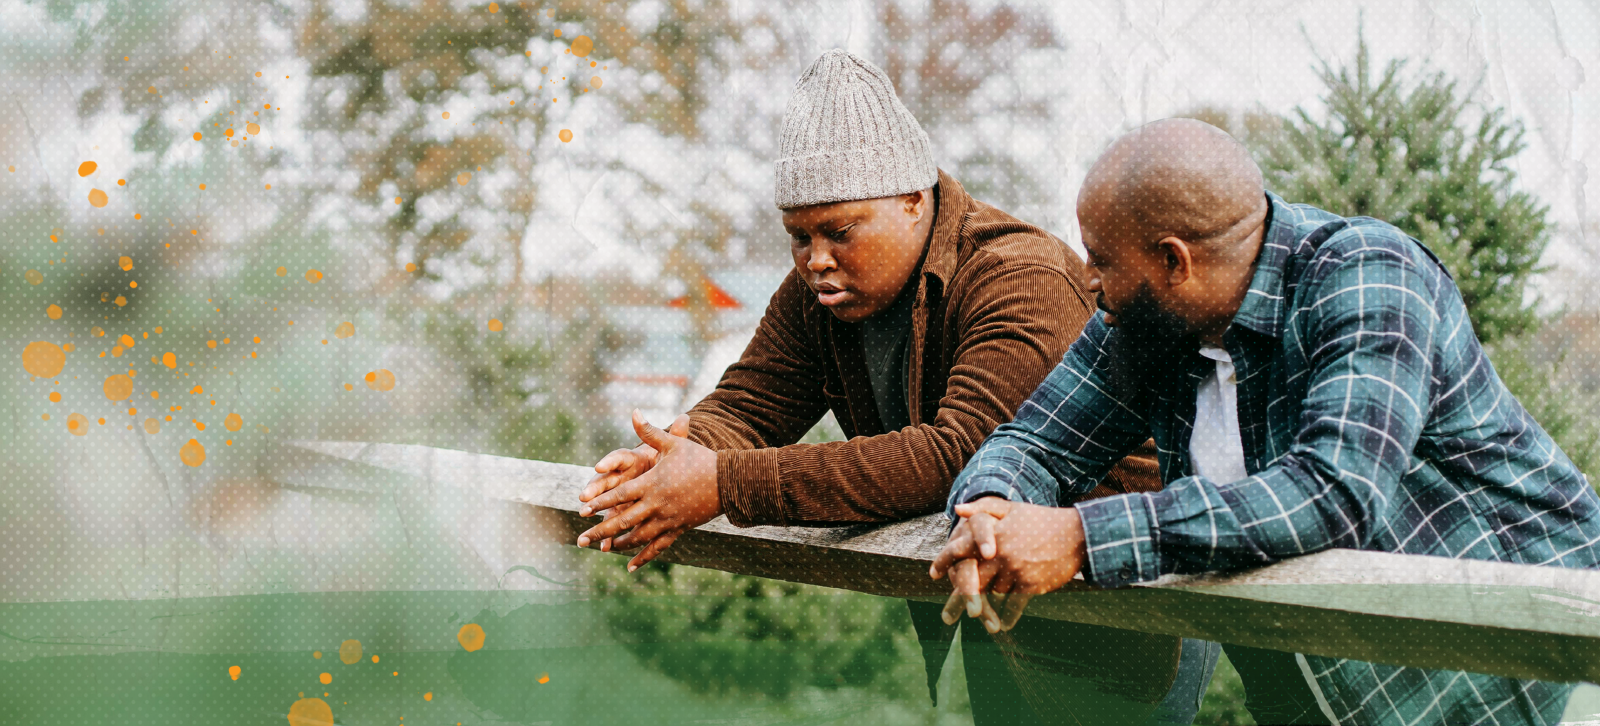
<point x="943" y="243"/>
<point x="1264" y="306"/>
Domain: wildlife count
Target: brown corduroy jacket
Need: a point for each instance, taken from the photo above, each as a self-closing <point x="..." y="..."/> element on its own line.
<point x="998" y="302"/>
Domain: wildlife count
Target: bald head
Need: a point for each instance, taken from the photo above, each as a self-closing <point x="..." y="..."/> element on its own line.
<point x="1173" y="216"/>
<point x="1175" y="177"/>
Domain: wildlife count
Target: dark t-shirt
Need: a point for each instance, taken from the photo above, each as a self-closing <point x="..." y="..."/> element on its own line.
<point x="883" y="341"/>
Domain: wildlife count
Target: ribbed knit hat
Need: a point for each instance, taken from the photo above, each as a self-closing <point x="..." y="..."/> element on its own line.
<point x="847" y="136"/>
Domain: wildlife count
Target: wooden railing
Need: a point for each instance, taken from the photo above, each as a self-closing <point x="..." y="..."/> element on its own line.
<point x="1501" y="619"/>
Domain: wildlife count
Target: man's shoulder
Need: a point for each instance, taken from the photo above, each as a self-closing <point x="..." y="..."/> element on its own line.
<point x="991" y="237"/>
<point x="1326" y="240"/>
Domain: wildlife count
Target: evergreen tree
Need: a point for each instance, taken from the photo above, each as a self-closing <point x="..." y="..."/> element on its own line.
<point x="1415" y="158"/>
<point x="1409" y="152"/>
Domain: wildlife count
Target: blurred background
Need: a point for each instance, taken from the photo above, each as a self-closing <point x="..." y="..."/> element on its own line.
<point x="498" y="227"/>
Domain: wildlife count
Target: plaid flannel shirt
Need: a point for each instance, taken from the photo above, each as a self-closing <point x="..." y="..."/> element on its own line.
<point x="1370" y="418"/>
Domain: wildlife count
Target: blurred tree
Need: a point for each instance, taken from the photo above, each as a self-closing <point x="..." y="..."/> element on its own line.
<point x="1409" y="152"/>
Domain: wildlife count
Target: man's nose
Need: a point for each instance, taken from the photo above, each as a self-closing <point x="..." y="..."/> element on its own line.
<point x="821" y="258"/>
<point x="1094" y="283"/>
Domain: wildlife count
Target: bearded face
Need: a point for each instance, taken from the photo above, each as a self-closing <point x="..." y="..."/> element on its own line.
<point x="1148" y="347"/>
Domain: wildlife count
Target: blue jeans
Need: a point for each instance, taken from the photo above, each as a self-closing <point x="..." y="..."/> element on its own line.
<point x="1195" y="666"/>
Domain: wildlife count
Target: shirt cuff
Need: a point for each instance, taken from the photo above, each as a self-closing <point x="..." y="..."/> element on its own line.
<point x="748" y="488"/>
<point x="974" y="489"/>
<point x="1119" y="533"/>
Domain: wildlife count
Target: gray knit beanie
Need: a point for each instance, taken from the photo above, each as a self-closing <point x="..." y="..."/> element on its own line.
<point x="847" y="136"/>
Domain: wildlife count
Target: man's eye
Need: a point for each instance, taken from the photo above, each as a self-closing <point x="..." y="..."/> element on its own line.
<point x="838" y="234"/>
<point x="798" y="239"/>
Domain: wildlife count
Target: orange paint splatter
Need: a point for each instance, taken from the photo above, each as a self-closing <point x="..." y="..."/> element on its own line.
<point x="544" y="678"/>
<point x="212" y="344"/>
<point x="55" y="397"/>
<point x="122" y="182"/>
<point x="193" y="453"/>
<point x="445" y="115"/>
<point x="126" y="340"/>
<point x="494" y="7"/>
<point x="316" y="654"/>
<point x="427" y="696"/>
<point x="463" y="178"/>
<point x="252" y="128"/>
<point x="558" y="32"/>
<point x="121" y="301"/>
<point x="87" y="168"/>
<point x="397" y="200"/>
<point x="326" y="678"/>
<point x="374" y="659"/>
<point x="169" y="360"/>
<point x="118" y="387"/>
<point x="349" y="387"/>
<point x="313" y="276"/>
<point x="470" y="636"/>
<point x="380" y="380"/>
<point x="582" y="46"/>
<point x="34" y="277"/>
<point x="283" y="271"/>
<point x="197" y="136"/>
<point x="53" y="312"/>
<point x="78" y="424"/>
<point x="233" y="422"/>
<point x="43" y="358"/>
<point x="350" y="651"/>
<point x="153" y="426"/>
<point x="233" y="672"/>
<point x="202" y="186"/>
<point x="98" y="198"/>
<point x="198" y="424"/>
<point x="344" y="330"/>
<point x="595" y="81"/>
<point x="566" y="135"/>
<point x="411" y="267"/>
<point x="310" y="712"/>
<point x="125" y="262"/>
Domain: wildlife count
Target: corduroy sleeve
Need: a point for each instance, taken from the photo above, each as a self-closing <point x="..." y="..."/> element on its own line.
<point x="770" y="398"/>
<point x="1013" y="327"/>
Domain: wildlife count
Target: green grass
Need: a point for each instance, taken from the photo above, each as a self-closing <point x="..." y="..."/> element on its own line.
<point x="1224" y="704"/>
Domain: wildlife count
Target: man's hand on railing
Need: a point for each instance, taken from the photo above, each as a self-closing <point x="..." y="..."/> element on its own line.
<point x="624" y="465"/>
<point x="655" y="495"/>
<point x="1009" y="552"/>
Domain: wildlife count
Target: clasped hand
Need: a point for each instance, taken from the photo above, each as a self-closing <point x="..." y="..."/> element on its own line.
<point x="1002" y="553"/>
<point x="651" y="494"/>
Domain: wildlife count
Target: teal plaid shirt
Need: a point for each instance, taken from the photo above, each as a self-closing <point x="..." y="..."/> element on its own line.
<point x="1370" y="418"/>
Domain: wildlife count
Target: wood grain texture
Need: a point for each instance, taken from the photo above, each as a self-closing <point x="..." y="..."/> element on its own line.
<point x="1488" y="617"/>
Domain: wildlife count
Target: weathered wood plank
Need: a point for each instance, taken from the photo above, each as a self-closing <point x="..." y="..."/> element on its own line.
<point x="1497" y="618"/>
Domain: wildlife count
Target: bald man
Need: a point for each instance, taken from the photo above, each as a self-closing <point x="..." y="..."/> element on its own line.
<point x="1311" y="382"/>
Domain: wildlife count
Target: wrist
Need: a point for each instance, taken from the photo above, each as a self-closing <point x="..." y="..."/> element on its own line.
<point x="1077" y="542"/>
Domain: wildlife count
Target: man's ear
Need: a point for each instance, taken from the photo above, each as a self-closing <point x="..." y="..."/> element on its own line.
<point x="916" y="204"/>
<point x="1176" y="260"/>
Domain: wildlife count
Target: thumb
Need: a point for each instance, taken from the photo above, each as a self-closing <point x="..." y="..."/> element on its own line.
<point x="680" y="426"/>
<point x="649" y="434"/>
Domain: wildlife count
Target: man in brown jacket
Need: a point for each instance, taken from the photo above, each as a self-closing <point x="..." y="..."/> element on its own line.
<point x="922" y="318"/>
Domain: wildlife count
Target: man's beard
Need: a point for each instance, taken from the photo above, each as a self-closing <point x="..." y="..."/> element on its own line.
<point x="1148" y="348"/>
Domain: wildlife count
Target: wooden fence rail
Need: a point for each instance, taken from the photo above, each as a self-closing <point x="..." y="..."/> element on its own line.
<point x="1501" y="619"/>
